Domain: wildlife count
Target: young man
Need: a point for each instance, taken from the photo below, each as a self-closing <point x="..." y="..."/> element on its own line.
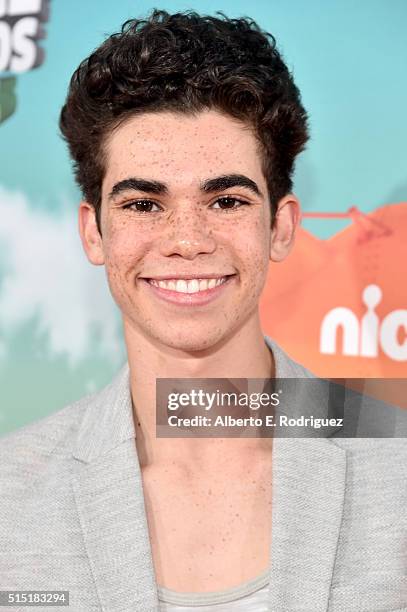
<point x="184" y="130"/>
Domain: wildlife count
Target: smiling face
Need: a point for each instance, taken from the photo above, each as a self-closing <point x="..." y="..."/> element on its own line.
<point x="184" y="197"/>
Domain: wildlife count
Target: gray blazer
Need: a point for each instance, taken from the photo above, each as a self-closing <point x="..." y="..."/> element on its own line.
<point x="72" y="513"/>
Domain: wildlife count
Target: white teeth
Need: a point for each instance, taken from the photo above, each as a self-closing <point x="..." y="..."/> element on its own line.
<point x="193" y="286"/>
<point x="180" y="285"/>
<point x="189" y="286"/>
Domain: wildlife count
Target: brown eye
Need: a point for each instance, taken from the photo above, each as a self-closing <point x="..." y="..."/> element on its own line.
<point x="141" y="206"/>
<point x="229" y="203"/>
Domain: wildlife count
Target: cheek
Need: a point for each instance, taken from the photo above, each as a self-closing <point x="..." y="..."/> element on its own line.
<point x="124" y="243"/>
<point x="255" y="244"/>
<point x="123" y="252"/>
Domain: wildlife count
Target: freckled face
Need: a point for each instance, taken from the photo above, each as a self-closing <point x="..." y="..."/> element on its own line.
<point x="185" y="229"/>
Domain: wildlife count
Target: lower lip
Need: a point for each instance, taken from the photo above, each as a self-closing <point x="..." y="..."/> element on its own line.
<point x="199" y="298"/>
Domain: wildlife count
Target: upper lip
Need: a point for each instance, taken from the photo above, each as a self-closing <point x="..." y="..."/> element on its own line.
<point x="163" y="277"/>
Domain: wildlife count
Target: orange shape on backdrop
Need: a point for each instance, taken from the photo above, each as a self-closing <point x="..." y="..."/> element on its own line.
<point x="339" y="306"/>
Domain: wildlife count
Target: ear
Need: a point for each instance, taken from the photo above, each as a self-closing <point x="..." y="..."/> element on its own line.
<point x="285" y="224"/>
<point x="88" y="230"/>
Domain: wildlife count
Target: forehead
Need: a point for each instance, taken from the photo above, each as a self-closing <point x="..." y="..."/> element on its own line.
<point x="181" y="149"/>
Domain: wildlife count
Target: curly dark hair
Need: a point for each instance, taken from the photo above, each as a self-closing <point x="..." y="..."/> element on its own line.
<point x="185" y="62"/>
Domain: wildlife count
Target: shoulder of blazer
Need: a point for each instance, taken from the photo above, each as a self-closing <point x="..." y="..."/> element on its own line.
<point x="286" y="366"/>
<point x="26" y="452"/>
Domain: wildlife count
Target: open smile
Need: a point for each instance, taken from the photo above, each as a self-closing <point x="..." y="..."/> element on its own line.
<point x="193" y="291"/>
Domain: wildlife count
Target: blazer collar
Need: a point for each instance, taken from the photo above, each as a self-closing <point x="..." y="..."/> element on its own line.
<point x="308" y="484"/>
<point x="107" y="421"/>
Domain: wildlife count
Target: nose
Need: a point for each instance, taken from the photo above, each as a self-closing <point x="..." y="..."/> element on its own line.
<point x="187" y="235"/>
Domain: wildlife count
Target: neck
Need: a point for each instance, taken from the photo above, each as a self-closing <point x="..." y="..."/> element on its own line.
<point x="244" y="355"/>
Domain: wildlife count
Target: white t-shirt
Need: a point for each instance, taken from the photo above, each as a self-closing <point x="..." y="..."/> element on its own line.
<point x="251" y="596"/>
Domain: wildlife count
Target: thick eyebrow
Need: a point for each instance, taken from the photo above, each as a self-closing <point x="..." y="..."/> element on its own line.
<point x="219" y="183"/>
<point x="138" y="184"/>
<point x="227" y="181"/>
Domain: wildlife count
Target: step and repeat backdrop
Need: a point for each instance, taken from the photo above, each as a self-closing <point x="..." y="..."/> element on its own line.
<point x="338" y="304"/>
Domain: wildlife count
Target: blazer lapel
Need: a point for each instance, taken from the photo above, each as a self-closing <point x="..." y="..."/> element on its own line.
<point x="308" y="488"/>
<point x="308" y="496"/>
<point x="107" y="486"/>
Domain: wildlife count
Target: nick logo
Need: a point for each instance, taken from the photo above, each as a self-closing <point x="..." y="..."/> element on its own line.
<point x="364" y="338"/>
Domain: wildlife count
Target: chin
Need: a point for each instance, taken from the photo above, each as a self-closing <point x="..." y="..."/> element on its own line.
<point x="187" y="340"/>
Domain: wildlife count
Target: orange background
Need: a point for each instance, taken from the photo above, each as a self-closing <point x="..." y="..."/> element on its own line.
<point x="320" y="275"/>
